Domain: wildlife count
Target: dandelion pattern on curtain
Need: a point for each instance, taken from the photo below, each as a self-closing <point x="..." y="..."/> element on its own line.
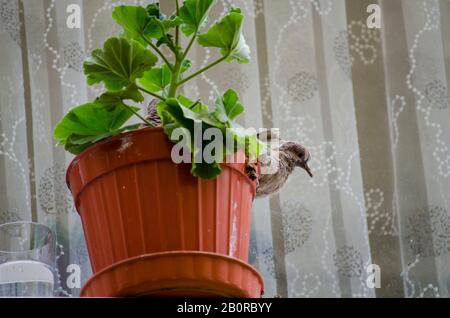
<point x="371" y="105"/>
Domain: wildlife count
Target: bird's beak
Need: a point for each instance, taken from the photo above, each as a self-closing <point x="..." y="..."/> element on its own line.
<point x="305" y="166"/>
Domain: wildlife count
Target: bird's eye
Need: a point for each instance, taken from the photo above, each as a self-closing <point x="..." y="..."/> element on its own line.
<point x="306" y="155"/>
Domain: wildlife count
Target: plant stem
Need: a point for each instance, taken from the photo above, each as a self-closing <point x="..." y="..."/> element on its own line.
<point x="175" y="75"/>
<point x="155" y="48"/>
<point x="151" y="93"/>
<point x="223" y="58"/>
<point x="177" y="28"/>
<point x="176" y="71"/>
<point x="138" y="115"/>
<point x="189" y="46"/>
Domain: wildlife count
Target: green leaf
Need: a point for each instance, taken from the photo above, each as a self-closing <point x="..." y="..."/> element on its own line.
<point x="184" y="113"/>
<point x="136" y="22"/>
<point x="118" y="64"/>
<point x="197" y="106"/>
<point x="194" y="14"/>
<point x="228" y="107"/>
<point x="89" y="123"/>
<point x="156" y="79"/>
<point x="171" y="109"/>
<point x="153" y="10"/>
<point x="185" y="65"/>
<point x="227" y="36"/>
<point x="171" y="23"/>
<point x="75" y="148"/>
<point x="175" y="115"/>
<point x="166" y="39"/>
<point x="199" y="111"/>
<point x="112" y="99"/>
<point x="92" y="122"/>
<point x="206" y="170"/>
<point x="164" y="23"/>
<point x="143" y="24"/>
<point x="76" y="144"/>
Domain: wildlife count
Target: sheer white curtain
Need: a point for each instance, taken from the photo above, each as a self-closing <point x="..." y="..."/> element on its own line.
<point x="370" y="104"/>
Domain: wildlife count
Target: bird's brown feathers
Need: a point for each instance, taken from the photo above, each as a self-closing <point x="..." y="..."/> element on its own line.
<point x="279" y="163"/>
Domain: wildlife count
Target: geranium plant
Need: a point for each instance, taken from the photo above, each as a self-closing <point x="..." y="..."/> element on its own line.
<point x="133" y="64"/>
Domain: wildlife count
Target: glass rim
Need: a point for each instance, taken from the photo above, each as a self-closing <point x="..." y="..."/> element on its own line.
<point x="36" y="224"/>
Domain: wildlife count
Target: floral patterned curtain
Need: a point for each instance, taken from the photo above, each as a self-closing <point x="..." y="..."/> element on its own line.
<point x="372" y="106"/>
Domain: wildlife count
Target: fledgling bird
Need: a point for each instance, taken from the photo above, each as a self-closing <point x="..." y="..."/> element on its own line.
<point x="278" y="163"/>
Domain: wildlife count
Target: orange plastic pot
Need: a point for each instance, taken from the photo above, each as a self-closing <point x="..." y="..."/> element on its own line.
<point x="134" y="202"/>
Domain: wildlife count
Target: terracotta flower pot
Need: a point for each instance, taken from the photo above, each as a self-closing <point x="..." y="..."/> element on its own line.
<point x="140" y="210"/>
